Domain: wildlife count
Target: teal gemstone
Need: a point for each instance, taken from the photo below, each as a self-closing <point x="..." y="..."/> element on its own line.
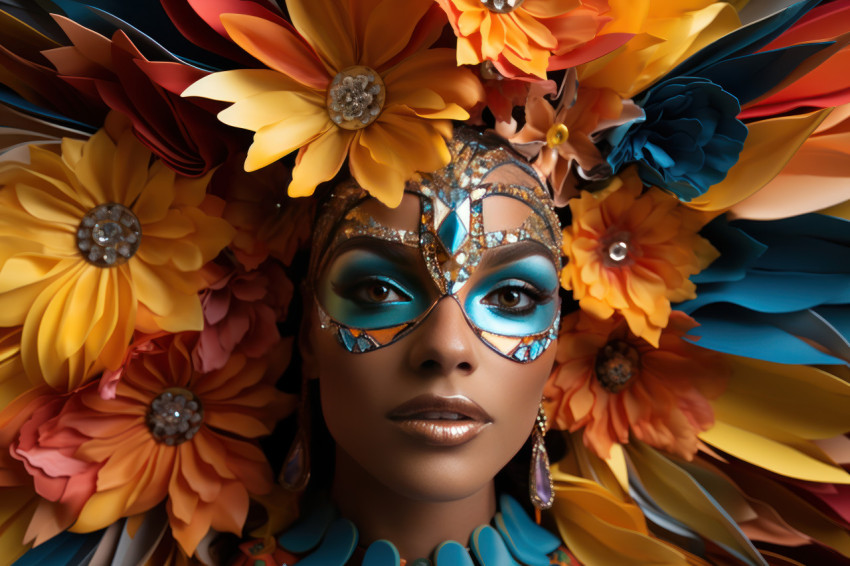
<point x="308" y="532"/>
<point x="451" y="553"/>
<point x="489" y="548"/>
<point x="521" y="526"/>
<point x="452" y="232"/>
<point x="381" y="553"/>
<point x="336" y="548"/>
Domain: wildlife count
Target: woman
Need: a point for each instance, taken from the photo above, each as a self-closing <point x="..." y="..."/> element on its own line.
<point x="431" y="336"/>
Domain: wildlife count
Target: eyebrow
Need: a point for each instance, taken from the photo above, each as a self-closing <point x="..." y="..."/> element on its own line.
<point x="510" y="253"/>
<point x="392" y="251"/>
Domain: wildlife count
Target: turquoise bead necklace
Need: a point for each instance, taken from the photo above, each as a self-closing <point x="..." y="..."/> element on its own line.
<point x="513" y="539"/>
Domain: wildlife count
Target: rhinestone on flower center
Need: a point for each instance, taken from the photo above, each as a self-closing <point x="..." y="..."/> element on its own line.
<point x="616" y="365"/>
<point x="175" y="416"/>
<point x="502" y="6"/>
<point x="356" y="98"/>
<point x="109" y="235"/>
<point x="616" y="250"/>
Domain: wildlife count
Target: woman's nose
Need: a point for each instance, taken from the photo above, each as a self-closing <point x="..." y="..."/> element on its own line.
<point x="444" y="342"/>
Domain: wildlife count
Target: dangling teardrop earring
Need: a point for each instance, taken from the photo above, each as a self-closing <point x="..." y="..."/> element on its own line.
<point x="296" y="467"/>
<point x="540" y="487"/>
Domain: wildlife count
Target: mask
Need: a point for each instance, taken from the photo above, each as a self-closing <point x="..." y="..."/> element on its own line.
<point x="369" y="300"/>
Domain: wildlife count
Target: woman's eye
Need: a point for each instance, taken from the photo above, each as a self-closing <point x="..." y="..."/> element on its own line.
<point x="516" y="299"/>
<point x="377" y="292"/>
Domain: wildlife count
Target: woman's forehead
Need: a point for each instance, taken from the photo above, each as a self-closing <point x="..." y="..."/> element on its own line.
<point x="499" y="213"/>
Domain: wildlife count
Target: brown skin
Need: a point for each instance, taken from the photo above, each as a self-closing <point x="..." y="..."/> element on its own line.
<point x="397" y="487"/>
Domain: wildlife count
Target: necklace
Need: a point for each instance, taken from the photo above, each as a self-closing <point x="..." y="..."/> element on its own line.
<point x="513" y="539"/>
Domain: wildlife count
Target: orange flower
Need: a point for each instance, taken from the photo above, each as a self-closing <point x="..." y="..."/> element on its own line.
<point x="561" y="138"/>
<point x="173" y="432"/>
<point x="359" y="82"/>
<point x="615" y="385"/>
<point x="95" y="242"/>
<point x="527" y="37"/>
<point x="632" y="253"/>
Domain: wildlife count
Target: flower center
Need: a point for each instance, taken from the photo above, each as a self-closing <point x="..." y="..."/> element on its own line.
<point x="109" y="235"/>
<point x="356" y="98"/>
<point x="557" y="134"/>
<point x="616" y="365"/>
<point x="616" y="250"/>
<point x="175" y="416"/>
<point x="502" y="6"/>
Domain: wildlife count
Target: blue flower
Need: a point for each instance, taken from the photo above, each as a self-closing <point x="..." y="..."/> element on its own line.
<point x="688" y="140"/>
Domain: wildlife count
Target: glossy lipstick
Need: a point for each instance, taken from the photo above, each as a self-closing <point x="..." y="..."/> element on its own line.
<point x="440" y="421"/>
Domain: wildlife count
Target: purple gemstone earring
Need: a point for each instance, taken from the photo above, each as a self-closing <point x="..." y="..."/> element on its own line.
<point x="540" y="487"/>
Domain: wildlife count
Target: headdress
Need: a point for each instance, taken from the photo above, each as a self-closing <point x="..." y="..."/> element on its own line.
<point x="158" y="165"/>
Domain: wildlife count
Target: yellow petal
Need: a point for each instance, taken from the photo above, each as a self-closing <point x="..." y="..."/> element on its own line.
<point x="320" y="161"/>
<point x="769" y="146"/>
<point x="270" y="107"/>
<point x="771" y="455"/>
<point x="231" y="86"/>
<point x="382" y="181"/>
<point x="276" y="140"/>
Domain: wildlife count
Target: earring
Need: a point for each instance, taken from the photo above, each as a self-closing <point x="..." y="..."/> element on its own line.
<point x="296" y="467"/>
<point x="540" y="487"/>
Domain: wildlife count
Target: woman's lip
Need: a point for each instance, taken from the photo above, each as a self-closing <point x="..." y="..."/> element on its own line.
<point x="431" y="407"/>
<point x="440" y="421"/>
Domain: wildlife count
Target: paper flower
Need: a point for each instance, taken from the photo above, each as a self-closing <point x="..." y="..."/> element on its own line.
<point x="267" y="222"/>
<point x="241" y="311"/>
<point x="115" y="73"/>
<point x="632" y="253"/>
<point x="688" y="140"/>
<point x="97" y="242"/>
<point x="614" y="385"/>
<point x="373" y="93"/>
<point x="562" y="138"/>
<point x="170" y="432"/>
<point x="527" y="37"/>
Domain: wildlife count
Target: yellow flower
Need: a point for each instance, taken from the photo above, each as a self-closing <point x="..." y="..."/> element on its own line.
<point x="666" y="33"/>
<point x="97" y="242"/>
<point x="529" y="36"/>
<point x="632" y="252"/>
<point x="358" y="82"/>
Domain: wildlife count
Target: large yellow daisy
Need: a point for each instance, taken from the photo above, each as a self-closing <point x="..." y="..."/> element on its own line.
<point x="97" y="241"/>
<point x="358" y="82"/>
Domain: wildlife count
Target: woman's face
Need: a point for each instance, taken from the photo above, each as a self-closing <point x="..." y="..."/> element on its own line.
<point x="439" y="407"/>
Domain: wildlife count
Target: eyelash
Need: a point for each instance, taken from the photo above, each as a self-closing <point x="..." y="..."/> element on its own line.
<point x="355" y="291"/>
<point x="535" y="296"/>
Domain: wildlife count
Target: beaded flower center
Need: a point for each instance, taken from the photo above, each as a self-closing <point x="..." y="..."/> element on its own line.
<point x="356" y="98"/>
<point x="109" y="235"/>
<point x="502" y="6"/>
<point x="175" y="416"/>
<point x="616" y="365"/>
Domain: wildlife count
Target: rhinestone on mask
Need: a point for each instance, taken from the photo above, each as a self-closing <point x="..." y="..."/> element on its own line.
<point x="502" y="6"/>
<point x="109" y="235"/>
<point x="356" y="98"/>
<point x="175" y="416"/>
<point x="616" y="365"/>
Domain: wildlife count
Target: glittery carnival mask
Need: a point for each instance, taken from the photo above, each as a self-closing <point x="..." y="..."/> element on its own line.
<point x="376" y="281"/>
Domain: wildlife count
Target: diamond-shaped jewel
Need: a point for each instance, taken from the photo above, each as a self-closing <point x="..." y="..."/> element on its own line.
<point x="452" y="233"/>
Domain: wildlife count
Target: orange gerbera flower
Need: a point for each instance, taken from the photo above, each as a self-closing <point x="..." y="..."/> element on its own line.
<point x="94" y="243"/>
<point x="632" y="252"/>
<point x="358" y="82"/>
<point x="171" y="432"/>
<point x="616" y="385"/>
<point x="527" y="37"/>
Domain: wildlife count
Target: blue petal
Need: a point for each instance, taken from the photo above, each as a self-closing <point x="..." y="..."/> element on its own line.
<point x="750" y="76"/>
<point x="306" y="534"/>
<point x="381" y="553"/>
<point x="733" y="330"/>
<point x="738" y="252"/>
<point x="489" y="548"/>
<point x="745" y="40"/>
<point x="451" y="553"/>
